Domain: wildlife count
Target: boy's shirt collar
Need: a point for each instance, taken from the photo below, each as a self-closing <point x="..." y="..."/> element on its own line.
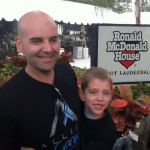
<point x="88" y="115"/>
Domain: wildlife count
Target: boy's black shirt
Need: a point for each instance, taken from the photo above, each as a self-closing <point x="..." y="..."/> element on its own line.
<point x="30" y="116"/>
<point x="99" y="134"/>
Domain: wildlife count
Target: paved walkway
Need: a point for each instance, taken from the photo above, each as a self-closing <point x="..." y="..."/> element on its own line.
<point x="82" y="62"/>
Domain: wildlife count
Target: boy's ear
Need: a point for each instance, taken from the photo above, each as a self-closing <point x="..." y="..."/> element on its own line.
<point x="18" y="44"/>
<point x="81" y="94"/>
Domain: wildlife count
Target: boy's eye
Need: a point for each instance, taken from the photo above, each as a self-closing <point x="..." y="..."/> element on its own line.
<point x="93" y="92"/>
<point x="106" y="93"/>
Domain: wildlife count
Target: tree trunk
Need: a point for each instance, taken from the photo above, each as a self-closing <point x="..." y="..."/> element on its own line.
<point x="138" y="12"/>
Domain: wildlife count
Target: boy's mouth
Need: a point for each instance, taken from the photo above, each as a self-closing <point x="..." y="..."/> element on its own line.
<point x="98" y="106"/>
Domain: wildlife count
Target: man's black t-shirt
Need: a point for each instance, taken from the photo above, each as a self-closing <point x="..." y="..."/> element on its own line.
<point x="32" y="113"/>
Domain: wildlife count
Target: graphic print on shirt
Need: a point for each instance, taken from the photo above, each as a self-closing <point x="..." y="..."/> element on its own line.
<point x="68" y="114"/>
<point x="71" y="144"/>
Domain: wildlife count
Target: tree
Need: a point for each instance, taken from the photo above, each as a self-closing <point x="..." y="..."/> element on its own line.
<point x="8" y="32"/>
<point x="138" y="11"/>
<point x="145" y="5"/>
<point x="141" y="6"/>
<point x="120" y="6"/>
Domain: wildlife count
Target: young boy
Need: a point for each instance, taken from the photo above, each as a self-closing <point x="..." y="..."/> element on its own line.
<point x="99" y="130"/>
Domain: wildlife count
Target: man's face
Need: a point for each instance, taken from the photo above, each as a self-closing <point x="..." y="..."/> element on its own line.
<point x="97" y="97"/>
<point x="40" y="45"/>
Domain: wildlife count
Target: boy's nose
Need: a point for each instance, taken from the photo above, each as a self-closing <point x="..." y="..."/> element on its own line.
<point x="100" y="97"/>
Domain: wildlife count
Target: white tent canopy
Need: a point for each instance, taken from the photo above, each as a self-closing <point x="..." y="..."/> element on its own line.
<point x="67" y="12"/>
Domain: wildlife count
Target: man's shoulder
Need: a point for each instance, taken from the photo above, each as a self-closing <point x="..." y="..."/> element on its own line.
<point x="13" y="83"/>
<point x="65" y="77"/>
<point x="61" y="67"/>
<point x="64" y="71"/>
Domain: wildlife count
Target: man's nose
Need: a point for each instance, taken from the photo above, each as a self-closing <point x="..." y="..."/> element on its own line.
<point x="47" y="46"/>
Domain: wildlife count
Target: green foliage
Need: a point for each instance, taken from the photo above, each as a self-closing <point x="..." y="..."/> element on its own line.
<point x="79" y="71"/>
<point x="145" y="6"/>
<point x="117" y="90"/>
<point x="119" y="6"/>
<point x="122" y="6"/>
<point x="65" y="58"/>
<point x="8" y="70"/>
<point x="104" y="3"/>
<point x="140" y="88"/>
<point x="100" y="3"/>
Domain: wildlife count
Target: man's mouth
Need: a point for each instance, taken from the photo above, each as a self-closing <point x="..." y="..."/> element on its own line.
<point x="46" y="56"/>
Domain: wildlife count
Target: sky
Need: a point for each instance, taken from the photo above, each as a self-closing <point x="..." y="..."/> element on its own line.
<point x="63" y="10"/>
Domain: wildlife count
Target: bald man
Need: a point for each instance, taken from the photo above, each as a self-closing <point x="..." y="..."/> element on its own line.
<point x="39" y="106"/>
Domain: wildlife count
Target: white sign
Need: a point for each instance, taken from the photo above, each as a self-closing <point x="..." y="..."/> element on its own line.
<point x="125" y="52"/>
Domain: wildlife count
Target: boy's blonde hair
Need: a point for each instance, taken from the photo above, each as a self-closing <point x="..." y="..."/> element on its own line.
<point x="95" y="72"/>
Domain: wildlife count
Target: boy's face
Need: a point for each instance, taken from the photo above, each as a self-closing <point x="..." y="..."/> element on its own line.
<point x="97" y="97"/>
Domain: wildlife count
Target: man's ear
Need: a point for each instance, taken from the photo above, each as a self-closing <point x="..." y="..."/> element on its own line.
<point x="18" y="44"/>
<point x="81" y="94"/>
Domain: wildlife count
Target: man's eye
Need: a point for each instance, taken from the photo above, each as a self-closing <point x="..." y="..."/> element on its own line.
<point x="54" y="40"/>
<point x="36" y="41"/>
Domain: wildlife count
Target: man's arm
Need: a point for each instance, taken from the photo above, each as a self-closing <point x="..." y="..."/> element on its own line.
<point x="7" y="129"/>
<point x="8" y="123"/>
<point x="26" y="148"/>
